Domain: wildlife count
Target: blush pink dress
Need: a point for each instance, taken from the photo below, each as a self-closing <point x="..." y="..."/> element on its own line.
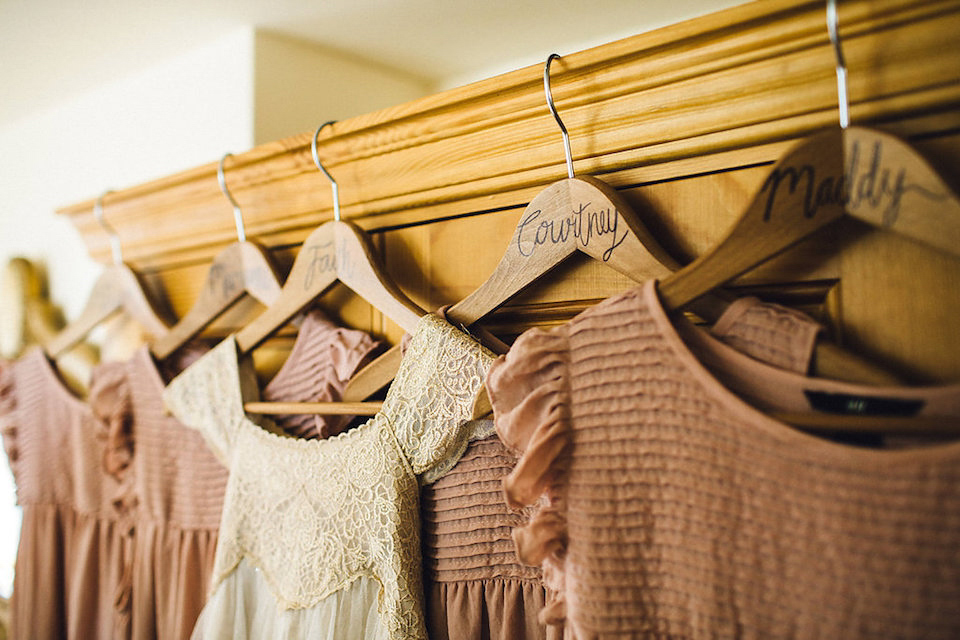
<point x="671" y="505"/>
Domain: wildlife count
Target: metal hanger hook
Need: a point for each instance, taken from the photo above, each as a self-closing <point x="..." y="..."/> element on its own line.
<point x="553" y="110"/>
<point x="316" y="161"/>
<point x="833" y="30"/>
<point x="237" y="214"/>
<point x="115" y="247"/>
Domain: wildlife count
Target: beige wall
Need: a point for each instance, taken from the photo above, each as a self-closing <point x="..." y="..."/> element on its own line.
<point x="299" y="85"/>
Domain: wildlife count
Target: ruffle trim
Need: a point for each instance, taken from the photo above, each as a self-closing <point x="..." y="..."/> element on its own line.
<point x="111" y="405"/>
<point x="8" y="420"/>
<point x="529" y="392"/>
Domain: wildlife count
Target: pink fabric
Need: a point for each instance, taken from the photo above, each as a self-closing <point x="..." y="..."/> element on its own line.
<point x="771" y="333"/>
<point x="475" y="586"/>
<point x="174" y="488"/>
<point x="121" y="502"/>
<point x="324" y="357"/>
<point x="70" y="577"/>
<point x="674" y="509"/>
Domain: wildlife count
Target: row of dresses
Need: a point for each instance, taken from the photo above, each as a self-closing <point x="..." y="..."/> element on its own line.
<point x="630" y="485"/>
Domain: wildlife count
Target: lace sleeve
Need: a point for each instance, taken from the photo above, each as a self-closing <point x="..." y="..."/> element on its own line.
<point x="431" y="400"/>
<point x="207" y="396"/>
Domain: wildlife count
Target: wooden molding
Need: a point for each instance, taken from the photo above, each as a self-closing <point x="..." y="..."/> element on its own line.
<point x="748" y="78"/>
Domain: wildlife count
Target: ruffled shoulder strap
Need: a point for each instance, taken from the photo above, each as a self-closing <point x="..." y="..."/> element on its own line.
<point x="109" y="399"/>
<point x="430" y="403"/>
<point x="530" y="393"/>
<point x="208" y="396"/>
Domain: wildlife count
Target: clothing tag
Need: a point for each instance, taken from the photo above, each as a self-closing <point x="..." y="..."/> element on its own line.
<point x="848" y="404"/>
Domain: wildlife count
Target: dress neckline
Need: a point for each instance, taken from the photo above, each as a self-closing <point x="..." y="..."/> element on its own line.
<point x="708" y="359"/>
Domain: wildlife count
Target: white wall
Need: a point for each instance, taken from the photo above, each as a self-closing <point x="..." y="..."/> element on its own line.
<point x="169" y="117"/>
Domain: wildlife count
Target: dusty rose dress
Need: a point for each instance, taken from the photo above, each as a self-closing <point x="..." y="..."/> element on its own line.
<point x="672" y="508"/>
<point x="475" y="585"/>
<point x="77" y="520"/>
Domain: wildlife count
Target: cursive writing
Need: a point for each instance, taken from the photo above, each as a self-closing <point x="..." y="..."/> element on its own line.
<point x="870" y="185"/>
<point x="322" y="261"/>
<point x="229" y="283"/>
<point x="582" y="225"/>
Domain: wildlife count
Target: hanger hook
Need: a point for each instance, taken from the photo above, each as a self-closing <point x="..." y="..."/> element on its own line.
<point x="237" y="214"/>
<point x="553" y="110"/>
<point x="834" y="32"/>
<point x="316" y="161"/>
<point x="115" y="248"/>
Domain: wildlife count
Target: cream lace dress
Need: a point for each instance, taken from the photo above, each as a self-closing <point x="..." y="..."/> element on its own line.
<point x="321" y="538"/>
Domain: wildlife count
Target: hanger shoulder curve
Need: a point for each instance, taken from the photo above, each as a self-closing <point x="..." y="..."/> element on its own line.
<point x="313" y="270"/>
<point x="360" y="270"/>
<point x="892" y="186"/>
<point x="241" y="268"/>
<point x="335" y="250"/>
<point x="575" y="214"/>
<point x="857" y="171"/>
<point x="769" y="224"/>
<point x="117" y="289"/>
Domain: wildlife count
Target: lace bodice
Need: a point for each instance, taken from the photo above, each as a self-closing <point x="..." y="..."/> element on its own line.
<point x="314" y="515"/>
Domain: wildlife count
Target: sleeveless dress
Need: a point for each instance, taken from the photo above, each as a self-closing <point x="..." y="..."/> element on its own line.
<point x="72" y="577"/>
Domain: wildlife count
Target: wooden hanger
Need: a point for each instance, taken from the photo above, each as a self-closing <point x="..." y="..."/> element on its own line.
<point x="860" y="172"/>
<point x="116" y="289"/>
<point x="241" y="268"/>
<point x="579" y="213"/>
<point x="337" y="251"/>
<point x="851" y="171"/>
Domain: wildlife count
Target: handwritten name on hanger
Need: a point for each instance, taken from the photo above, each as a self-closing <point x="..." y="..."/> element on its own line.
<point x="870" y="185"/>
<point x="582" y="225"/>
<point x="323" y="262"/>
<point x="228" y="282"/>
<point x="329" y="259"/>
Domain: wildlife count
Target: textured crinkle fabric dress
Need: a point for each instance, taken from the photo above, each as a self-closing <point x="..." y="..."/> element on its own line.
<point x="320" y="538"/>
<point x="671" y="508"/>
<point x="72" y="562"/>
<point x="175" y="495"/>
<point x="475" y="585"/>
